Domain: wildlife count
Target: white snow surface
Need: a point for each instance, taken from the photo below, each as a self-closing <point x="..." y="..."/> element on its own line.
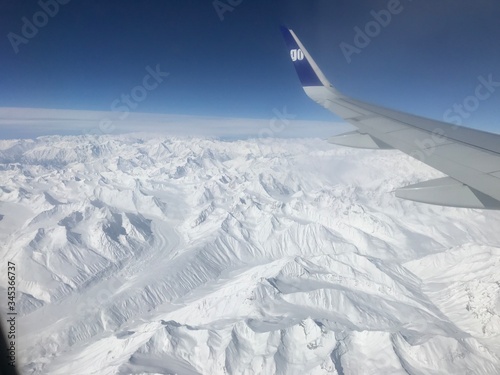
<point x="140" y="254"/>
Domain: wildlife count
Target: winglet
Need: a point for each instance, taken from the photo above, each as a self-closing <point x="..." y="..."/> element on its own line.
<point x="307" y="70"/>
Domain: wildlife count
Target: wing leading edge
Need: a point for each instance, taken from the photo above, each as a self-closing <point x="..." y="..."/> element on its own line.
<point x="471" y="158"/>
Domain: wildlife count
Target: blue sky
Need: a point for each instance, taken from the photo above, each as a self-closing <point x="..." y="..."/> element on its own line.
<point x="430" y="55"/>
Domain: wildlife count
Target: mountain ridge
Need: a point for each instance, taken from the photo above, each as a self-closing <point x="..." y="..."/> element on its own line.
<point x="141" y="254"/>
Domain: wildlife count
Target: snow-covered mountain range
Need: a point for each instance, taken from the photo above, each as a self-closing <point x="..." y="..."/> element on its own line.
<point x="156" y="255"/>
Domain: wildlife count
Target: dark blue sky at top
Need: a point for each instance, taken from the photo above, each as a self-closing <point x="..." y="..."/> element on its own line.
<point x="427" y="58"/>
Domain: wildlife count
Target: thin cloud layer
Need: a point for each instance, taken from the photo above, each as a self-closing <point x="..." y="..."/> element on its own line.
<point x="34" y="122"/>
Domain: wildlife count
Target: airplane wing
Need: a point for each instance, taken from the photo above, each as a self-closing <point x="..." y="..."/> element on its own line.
<point x="470" y="158"/>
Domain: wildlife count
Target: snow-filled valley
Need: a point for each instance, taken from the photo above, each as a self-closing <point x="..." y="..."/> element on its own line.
<point x="155" y="255"/>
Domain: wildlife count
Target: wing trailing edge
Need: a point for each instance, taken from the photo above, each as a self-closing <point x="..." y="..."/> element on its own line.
<point x="359" y="140"/>
<point x="447" y="191"/>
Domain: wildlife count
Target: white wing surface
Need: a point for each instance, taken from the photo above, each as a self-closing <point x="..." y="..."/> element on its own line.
<point x="471" y="158"/>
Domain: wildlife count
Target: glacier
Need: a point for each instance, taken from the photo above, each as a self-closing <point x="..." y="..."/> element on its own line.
<point x="144" y="254"/>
